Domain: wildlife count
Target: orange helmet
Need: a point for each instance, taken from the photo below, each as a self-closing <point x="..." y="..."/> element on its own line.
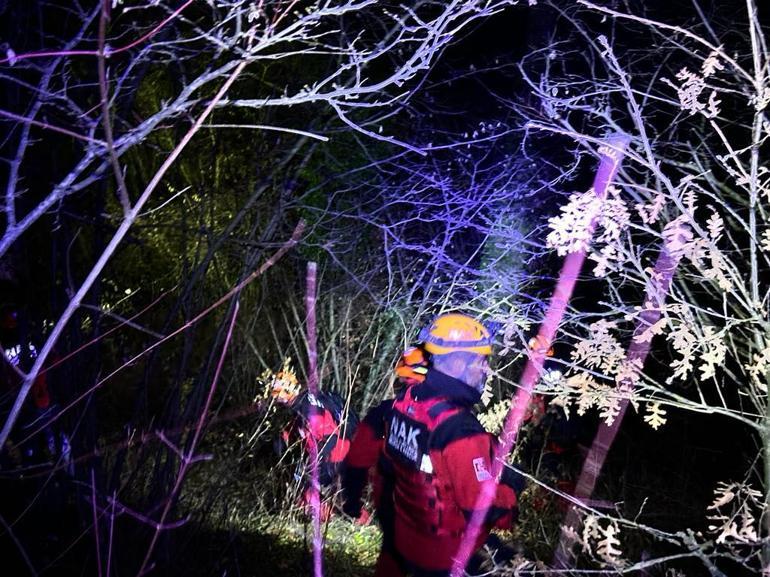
<point x="540" y="345"/>
<point x="455" y="332"/>
<point x="285" y="387"/>
<point x="412" y="366"/>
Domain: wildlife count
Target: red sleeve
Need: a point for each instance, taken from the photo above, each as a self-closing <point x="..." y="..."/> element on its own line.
<point x="39" y="391"/>
<point x="468" y="462"/>
<point x="363" y="454"/>
<point x="364" y="448"/>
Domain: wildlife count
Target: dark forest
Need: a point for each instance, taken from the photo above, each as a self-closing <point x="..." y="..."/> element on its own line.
<point x="215" y="211"/>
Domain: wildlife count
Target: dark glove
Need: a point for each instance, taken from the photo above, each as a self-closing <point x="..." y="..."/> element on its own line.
<point x="353" y="485"/>
<point x="352" y="509"/>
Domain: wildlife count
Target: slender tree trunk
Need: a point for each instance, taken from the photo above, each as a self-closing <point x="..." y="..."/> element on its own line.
<point x="611" y="156"/>
<point x="312" y="385"/>
<point x="638" y="350"/>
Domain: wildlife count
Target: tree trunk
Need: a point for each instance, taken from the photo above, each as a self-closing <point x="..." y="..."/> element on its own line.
<point x="638" y="350"/>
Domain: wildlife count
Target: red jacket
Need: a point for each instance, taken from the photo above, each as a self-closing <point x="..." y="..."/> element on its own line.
<point x="441" y="458"/>
<point x="320" y="419"/>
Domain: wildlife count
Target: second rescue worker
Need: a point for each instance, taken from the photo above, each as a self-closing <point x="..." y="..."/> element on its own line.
<point x="364" y="461"/>
<point x="439" y="453"/>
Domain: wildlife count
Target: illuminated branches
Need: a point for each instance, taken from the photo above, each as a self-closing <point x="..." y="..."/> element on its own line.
<point x="361" y="67"/>
<point x="123" y="103"/>
<point x="364" y="70"/>
<point x="444" y="230"/>
<point x="693" y="188"/>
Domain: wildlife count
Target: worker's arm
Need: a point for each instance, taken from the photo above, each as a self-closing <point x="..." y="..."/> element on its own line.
<point x="467" y="458"/>
<point x="365" y="449"/>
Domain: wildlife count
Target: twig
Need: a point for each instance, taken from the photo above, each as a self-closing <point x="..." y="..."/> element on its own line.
<point x="19" y="546"/>
<point x="96" y="524"/>
<point x="111" y="537"/>
<point x="273" y="128"/>
<point x="189" y="458"/>
<point x="124" y="322"/>
<point x="107" y="254"/>
<point x="60" y="53"/>
<point x="105" y="104"/>
<point x="49" y="126"/>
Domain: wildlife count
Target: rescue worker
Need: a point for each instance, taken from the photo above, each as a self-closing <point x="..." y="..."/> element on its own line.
<point x="18" y="356"/>
<point x="319" y="419"/>
<point x="363" y="462"/>
<point x="551" y="450"/>
<point x="440" y="454"/>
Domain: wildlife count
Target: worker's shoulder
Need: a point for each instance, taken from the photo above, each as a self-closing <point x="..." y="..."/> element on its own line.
<point x="461" y="425"/>
<point x="379" y="412"/>
<point x="308" y="402"/>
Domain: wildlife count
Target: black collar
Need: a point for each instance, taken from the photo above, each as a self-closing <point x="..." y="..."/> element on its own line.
<point x="438" y="384"/>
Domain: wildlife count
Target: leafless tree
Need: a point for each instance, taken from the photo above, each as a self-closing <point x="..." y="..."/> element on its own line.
<point x="127" y="91"/>
<point x="690" y="87"/>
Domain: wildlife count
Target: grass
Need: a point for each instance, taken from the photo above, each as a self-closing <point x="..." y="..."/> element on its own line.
<point x="278" y="545"/>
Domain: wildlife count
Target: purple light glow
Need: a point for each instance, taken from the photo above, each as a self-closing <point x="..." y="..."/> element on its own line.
<point x="612" y="154"/>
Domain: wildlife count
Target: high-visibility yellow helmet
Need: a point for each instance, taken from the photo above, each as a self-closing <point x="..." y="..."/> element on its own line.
<point x="455" y="332"/>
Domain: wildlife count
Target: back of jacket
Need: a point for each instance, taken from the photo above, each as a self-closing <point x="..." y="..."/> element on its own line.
<point x="441" y="458"/>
